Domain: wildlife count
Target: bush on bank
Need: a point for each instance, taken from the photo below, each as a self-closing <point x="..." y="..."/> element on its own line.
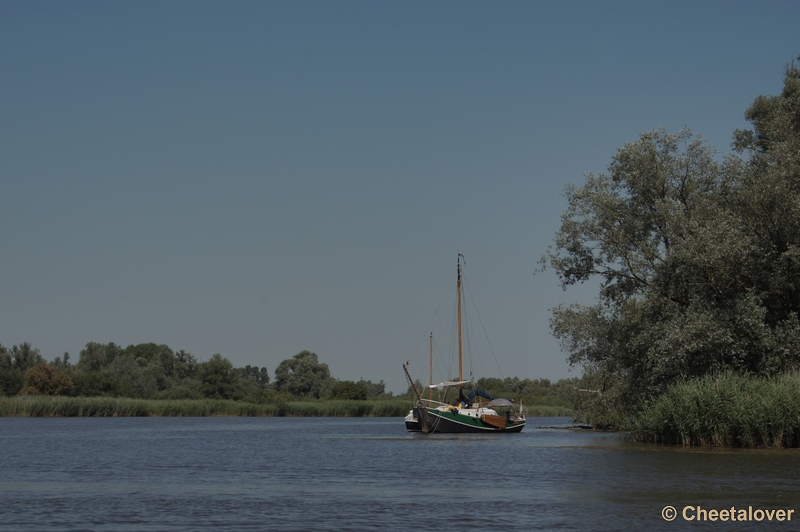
<point x="729" y="410"/>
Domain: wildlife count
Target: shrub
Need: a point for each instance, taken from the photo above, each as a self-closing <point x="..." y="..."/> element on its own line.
<point x="44" y="380"/>
<point x="349" y="391"/>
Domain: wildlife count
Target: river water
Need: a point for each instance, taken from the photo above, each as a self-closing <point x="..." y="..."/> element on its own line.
<point x="240" y="474"/>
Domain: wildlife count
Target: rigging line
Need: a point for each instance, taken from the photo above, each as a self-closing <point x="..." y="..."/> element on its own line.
<point x="452" y="318"/>
<point x="472" y="341"/>
<point x="451" y="326"/>
<point x="439" y="359"/>
<point x="478" y="351"/>
<point x="469" y="340"/>
<point x="427" y="330"/>
<point x="448" y="325"/>
<point x="472" y="344"/>
<point x="484" y="330"/>
<point x="474" y="353"/>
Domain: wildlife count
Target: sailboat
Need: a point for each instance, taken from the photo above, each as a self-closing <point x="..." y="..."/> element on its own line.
<point x="477" y="412"/>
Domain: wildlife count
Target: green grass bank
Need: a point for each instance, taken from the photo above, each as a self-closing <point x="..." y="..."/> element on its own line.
<point x="47" y="406"/>
<point x="728" y="410"/>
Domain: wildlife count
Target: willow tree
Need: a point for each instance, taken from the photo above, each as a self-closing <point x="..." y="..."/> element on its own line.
<point x="303" y="375"/>
<point x="697" y="258"/>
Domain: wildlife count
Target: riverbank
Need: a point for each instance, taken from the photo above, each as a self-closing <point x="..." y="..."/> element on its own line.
<point x="47" y="406"/>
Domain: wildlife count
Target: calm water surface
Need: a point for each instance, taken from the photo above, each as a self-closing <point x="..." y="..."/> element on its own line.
<point x="365" y="474"/>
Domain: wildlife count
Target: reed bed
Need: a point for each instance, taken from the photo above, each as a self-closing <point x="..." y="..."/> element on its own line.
<point x="46" y="406"/>
<point x="728" y="410"/>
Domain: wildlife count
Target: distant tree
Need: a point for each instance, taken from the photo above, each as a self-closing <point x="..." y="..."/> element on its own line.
<point x="185" y="365"/>
<point x="95" y="356"/>
<point x="529" y="387"/>
<point x="421" y="389"/>
<point x="516" y="388"/>
<point x="91" y="384"/>
<point x="14" y="363"/>
<point x="25" y="357"/>
<point x="257" y="375"/>
<point x="144" y="370"/>
<point x="62" y="363"/>
<point x="43" y="379"/>
<point x="11" y="378"/>
<point x="149" y="351"/>
<point x="159" y="362"/>
<point x="136" y="377"/>
<point x="303" y="375"/>
<point x="218" y="379"/>
<point x="492" y="385"/>
<point x="374" y="389"/>
<point x="348" y="390"/>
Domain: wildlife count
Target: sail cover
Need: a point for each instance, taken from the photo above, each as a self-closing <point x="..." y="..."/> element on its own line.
<point x="499" y="402"/>
<point x="478" y="393"/>
<point x="447" y="383"/>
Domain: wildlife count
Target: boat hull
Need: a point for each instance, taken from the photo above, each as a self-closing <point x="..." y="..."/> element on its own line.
<point x="451" y="422"/>
<point x="413" y="426"/>
<point x="413" y="423"/>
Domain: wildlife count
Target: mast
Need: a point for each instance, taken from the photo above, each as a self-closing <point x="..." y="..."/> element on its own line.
<point x="458" y="289"/>
<point x="430" y="388"/>
<point x="419" y="399"/>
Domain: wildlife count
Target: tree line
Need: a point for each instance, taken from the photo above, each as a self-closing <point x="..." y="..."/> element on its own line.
<point x="152" y="371"/>
<point x="697" y="257"/>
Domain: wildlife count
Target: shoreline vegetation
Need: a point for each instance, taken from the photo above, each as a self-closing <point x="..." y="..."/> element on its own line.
<point x="60" y="406"/>
<point x="729" y="410"/>
<point x="694" y="335"/>
<point x="154" y="380"/>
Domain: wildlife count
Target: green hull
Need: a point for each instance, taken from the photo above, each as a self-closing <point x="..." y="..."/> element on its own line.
<point x="450" y="422"/>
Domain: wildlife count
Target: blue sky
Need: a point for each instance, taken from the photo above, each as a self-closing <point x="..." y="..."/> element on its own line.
<point x="258" y="178"/>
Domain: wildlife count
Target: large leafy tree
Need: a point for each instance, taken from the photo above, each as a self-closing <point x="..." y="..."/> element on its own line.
<point x="769" y="198"/>
<point x="303" y="375"/>
<point x="219" y="379"/>
<point x="697" y="258"/>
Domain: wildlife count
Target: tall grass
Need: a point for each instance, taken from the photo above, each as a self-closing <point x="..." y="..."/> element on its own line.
<point x="727" y="410"/>
<point x="46" y="406"/>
